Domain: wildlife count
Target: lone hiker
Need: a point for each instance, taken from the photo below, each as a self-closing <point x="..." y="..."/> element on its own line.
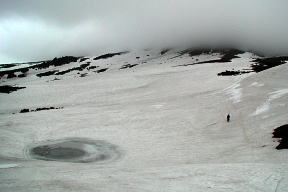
<point x="228" y="117"/>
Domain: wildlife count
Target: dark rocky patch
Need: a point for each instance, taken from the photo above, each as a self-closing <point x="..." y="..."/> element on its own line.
<point x="24" y="111"/>
<point x="46" y="108"/>
<point x="92" y="67"/>
<point x="232" y="73"/>
<point x="8" y="89"/>
<point x="42" y="65"/>
<point x="6" y="66"/>
<point x="24" y="70"/>
<point x="164" y="51"/>
<point x="22" y="75"/>
<point x="195" y="52"/>
<point x="267" y="63"/>
<point x="260" y="65"/>
<point x="83" y="75"/>
<point x="128" y="66"/>
<point x="80" y="68"/>
<point x="11" y="75"/>
<point x="137" y="57"/>
<point x="227" y="55"/>
<point x="83" y="59"/>
<point x="230" y="54"/>
<point x="55" y="62"/>
<point x="39" y="109"/>
<point x="282" y="133"/>
<point x="47" y="73"/>
<point x="101" y="70"/>
<point x="55" y="79"/>
<point x="109" y="55"/>
<point x="64" y="72"/>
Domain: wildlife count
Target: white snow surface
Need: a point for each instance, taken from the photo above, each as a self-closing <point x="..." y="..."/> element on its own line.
<point x="169" y="122"/>
<point x="262" y="108"/>
<point x="278" y="94"/>
<point x="18" y="66"/>
<point x="272" y="96"/>
<point x="234" y="91"/>
<point x="256" y="84"/>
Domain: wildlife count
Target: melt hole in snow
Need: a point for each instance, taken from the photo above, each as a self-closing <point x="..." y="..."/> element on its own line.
<point x="76" y="150"/>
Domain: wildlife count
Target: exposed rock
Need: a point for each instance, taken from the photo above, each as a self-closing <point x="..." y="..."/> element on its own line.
<point x="164" y="51"/>
<point x="11" y="75"/>
<point x="108" y="55"/>
<point x="24" y="111"/>
<point x="83" y="59"/>
<point x="39" y="109"/>
<point x="128" y="66"/>
<point x="22" y="75"/>
<point x="92" y="67"/>
<point x="8" y="88"/>
<point x="83" y="75"/>
<point x="6" y="66"/>
<point x="55" y="62"/>
<point x="47" y="73"/>
<point x="267" y="63"/>
<point x="80" y="68"/>
<point x="282" y="133"/>
<point x="232" y="73"/>
<point x="101" y="70"/>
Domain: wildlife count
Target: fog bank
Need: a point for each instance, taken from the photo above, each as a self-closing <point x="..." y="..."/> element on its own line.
<point x="36" y="30"/>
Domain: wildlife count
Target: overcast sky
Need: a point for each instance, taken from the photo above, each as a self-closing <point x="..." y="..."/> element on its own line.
<point x="42" y="29"/>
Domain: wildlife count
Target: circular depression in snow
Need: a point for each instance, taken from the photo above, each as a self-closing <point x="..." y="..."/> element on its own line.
<point x="76" y="150"/>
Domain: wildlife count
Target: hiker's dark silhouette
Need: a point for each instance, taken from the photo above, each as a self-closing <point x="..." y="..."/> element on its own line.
<point x="228" y="117"/>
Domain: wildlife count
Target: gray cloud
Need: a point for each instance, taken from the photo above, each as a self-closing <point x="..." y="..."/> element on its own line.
<point x="40" y="29"/>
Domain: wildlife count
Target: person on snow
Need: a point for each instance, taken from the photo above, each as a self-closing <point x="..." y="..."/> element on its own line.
<point x="228" y="117"/>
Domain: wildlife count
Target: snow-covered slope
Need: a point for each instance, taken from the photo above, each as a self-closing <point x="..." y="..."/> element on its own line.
<point x="166" y="113"/>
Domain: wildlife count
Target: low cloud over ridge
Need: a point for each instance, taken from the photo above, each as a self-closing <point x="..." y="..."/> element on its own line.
<point x="35" y="30"/>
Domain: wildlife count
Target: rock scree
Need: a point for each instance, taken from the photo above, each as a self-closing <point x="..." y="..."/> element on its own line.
<point x="74" y="150"/>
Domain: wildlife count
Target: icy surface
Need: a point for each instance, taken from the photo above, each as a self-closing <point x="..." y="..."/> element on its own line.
<point x="272" y="96"/>
<point x="168" y="121"/>
<point x="261" y="109"/>
<point x="6" y="166"/>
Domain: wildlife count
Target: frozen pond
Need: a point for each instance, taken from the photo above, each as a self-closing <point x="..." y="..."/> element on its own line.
<point x="76" y="150"/>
